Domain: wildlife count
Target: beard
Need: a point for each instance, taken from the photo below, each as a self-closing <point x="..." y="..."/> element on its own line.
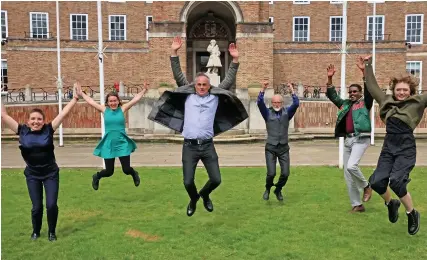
<point x="277" y="109"/>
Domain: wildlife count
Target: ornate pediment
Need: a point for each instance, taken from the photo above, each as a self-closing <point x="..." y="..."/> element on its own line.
<point x="210" y="28"/>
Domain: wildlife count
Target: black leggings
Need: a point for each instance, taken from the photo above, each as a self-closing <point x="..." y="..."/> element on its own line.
<point x="109" y="167"/>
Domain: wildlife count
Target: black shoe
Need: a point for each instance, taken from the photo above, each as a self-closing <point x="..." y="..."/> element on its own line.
<point x="34" y="236"/>
<point x="266" y="195"/>
<point x="413" y="222"/>
<point x="279" y="195"/>
<point x="52" y="236"/>
<point x="95" y="181"/>
<point x="135" y="177"/>
<point x="393" y="210"/>
<point x="191" y="208"/>
<point x="207" y="202"/>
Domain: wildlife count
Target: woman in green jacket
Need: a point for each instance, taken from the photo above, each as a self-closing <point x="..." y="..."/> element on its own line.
<point x="401" y="112"/>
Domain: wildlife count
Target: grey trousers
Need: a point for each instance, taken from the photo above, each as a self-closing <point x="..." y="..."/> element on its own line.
<point x="272" y="153"/>
<point x="354" y="148"/>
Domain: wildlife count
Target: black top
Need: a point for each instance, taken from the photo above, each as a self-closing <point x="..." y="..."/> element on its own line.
<point x="37" y="149"/>
<point x="396" y="126"/>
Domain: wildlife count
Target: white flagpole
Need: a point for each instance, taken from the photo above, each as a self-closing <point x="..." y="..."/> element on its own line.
<point x="343" y="63"/>
<point x="101" y="67"/>
<point x="59" y="81"/>
<point x="374" y="34"/>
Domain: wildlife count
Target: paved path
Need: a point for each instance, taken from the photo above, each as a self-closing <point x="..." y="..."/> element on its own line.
<point x="155" y="154"/>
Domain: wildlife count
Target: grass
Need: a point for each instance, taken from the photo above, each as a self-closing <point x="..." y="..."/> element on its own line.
<point x="120" y="221"/>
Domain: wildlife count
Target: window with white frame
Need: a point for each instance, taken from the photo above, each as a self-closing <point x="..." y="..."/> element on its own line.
<point x="4" y="80"/>
<point x="78" y="27"/>
<point x="4" y="32"/>
<point x="39" y="25"/>
<point x="376" y="1"/>
<point x="415" y="68"/>
<point x="301" y="2"/>
<point x="148" y="20"/>
<point x="414" y="28"/>
<point x="117" y="27"/>
<point x="149" y="2"/>
<point x="336" y="2"/>
<point x="270" y="2"/>
<point x="379" y="26"/>
<point x="335" y="28"/>
<point x="271" y="19"/>
<point x="301" y="31"/>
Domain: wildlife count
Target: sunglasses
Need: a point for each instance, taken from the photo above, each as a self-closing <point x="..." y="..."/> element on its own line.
<point x="353" y="91"/>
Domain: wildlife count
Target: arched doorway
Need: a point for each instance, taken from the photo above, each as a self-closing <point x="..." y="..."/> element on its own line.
<point x="206" y="21"/>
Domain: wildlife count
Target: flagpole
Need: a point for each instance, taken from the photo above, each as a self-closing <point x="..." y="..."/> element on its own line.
<point x="59" y="81"/>
<point x="374" y="34"/>
<point x="101" y="68"/>
<point x="343" y="63"/>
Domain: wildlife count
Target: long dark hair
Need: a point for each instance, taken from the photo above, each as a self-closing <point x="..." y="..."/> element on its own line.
<point x="113" y="94"/>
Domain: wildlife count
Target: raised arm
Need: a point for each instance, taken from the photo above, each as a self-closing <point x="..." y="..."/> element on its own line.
<point x="89" y="100"/>
<point x="136" y="98"/>
<point x="60" y="117"/>
<point x="176" y="67"/>
<point x="371" y="82"/>
<point x="8" y="120"/>
<point x="260" y="101"/>
<point x="331" y="93"/>
<point x="292" y="109"/>
<point x="230" y="78"/>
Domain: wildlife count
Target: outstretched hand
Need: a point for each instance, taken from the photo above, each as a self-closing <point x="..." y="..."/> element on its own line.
<point x="291" y="88"/>
<point x="331" y="70"/>
<point x="360" y="63"/>
<point x="232" y="48"/>
<point x="146" y="86"/>
<point x="176" y="44"/>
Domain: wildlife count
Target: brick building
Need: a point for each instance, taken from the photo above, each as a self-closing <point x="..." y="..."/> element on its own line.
<point x="282" y="41"/>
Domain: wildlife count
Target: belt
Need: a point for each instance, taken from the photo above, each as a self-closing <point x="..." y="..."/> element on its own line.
<point x="351" y="135"/>
<point x="198" y="141"/>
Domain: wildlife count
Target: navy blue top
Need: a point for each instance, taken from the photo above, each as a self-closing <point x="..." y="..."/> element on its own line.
<point x="37" y="149"/>
<point x="265" y="111"/>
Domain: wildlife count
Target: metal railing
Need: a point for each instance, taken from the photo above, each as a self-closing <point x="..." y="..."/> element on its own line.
<point x="37" y="35"/>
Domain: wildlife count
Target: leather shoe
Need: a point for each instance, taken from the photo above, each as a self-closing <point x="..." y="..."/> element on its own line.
<point x="266" y="195"/>
<point x="279" y="195"/>
<point x="95" y="181"/>
<point x="136" y="179"/>
<point x="367" y="193"/>
<point x="191" y="208"/>
<point x="358" y="209"/>
<point x="34" y="236"/>
<point x="52" y="236"/>
<point x="207" y="202"/>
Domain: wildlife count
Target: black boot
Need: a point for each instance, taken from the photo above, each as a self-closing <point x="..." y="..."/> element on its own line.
<point x="393" y="210"/>
<point x="266" y="195"/>
<point x="191" y="208"/>
<point x="95" y="181"/>
<point x="278" y="194"/>
<point x="413" y="222"/>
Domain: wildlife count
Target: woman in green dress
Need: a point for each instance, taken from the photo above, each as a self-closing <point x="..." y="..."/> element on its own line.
<point x="115" y="142"/>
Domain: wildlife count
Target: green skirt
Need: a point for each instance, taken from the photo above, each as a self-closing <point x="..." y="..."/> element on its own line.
<point x="115" y="144"/>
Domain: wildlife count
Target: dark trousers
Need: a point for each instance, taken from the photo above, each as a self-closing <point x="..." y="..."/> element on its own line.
<point x="191" y="154"/>
<point x="109" y="167"/>
<point x="35" y="189"/>
<point x="396" y="161"/>
<point x="272" y="153"/>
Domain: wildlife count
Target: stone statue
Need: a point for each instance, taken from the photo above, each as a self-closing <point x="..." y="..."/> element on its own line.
<point x="214" y="60"/>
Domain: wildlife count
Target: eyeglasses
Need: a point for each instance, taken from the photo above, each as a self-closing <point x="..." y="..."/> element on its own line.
<point x="353" y="91"/>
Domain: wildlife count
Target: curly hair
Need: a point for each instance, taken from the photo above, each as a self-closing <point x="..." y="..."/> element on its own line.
<point x="113" y="94"/>
<point x="411" y="81"/>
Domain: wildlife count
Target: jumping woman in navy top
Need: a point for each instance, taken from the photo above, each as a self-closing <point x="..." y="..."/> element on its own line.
<point x="36" y="145"/>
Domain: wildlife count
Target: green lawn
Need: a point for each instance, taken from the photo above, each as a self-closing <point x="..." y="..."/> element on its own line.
<point x="120" y="221"/>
